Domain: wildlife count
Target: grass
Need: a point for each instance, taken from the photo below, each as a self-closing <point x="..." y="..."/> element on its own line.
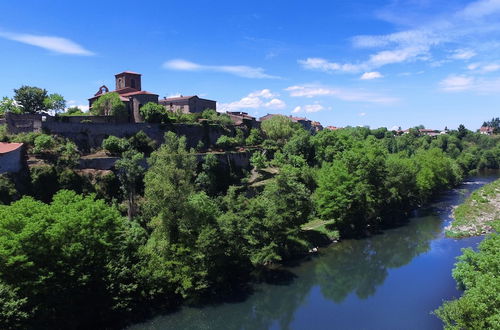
<point x="321" y="227"/>
<point x="474" y="216"/>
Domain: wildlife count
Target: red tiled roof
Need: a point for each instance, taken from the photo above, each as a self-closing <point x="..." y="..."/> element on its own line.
<point x="138" y="93"/>
<point x="486" y="129"/>
<point x="8" y="147"/>
<point x="129" y="72"/>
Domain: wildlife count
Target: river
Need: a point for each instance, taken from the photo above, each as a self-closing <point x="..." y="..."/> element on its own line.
<point x="393" y="280"/>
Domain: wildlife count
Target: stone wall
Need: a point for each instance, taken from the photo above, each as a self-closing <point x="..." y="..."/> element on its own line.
<point x="228" y="161"/>
<point x="89" y="136"/>
<point x="12" y="162"/>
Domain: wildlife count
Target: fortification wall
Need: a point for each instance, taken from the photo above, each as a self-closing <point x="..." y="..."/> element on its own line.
<point x="228" y="161"/>
<point x="89" y="136"/>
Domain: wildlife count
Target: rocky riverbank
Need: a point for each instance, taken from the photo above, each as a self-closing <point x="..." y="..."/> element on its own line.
<point x="476" y="215"/>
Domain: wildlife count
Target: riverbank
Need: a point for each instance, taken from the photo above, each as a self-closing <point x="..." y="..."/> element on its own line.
<point x="476" y="215"/>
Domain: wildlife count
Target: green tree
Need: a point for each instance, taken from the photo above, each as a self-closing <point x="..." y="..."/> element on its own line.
<point x="279" y="129"/>
<point x="74" y="111"/>
<point x="130" y="172"/>
<point x="9" y="105"/>
<point x="168" y="184"/>
<point x="55" y="102"/>
<point x="72" y="260"/>
<point x="31" y="99"/>
<point x="109" y="104"/>
<point x="477" y="274"/>
<point x="153" y="112"/>
<point x="115" y="145"/>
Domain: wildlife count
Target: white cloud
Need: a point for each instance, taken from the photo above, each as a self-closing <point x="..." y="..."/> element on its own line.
<point x="463" y="54"/>
<point x="461" y="83"/>
<point x="475" y="27"/>
<point x="371" y="75"/>
<point x="55" y="44"/>
<point x="362" y="114"/>
<point x="72" y="103"/>
<point x="456" y="83"/>
<point x="310" y="91"/>
<point x="237" y="70"/>
<point x="259" y="99"/>
<point x="308" y="108"/>
<point x="484" y="67"/>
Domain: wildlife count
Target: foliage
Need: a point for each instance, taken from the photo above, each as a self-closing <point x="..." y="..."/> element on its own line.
<point x="44" y="183"/>
<point x="114" y="145"/>
<point x="495" y="123"/>
<point x="109" y="104"/>
<point x="477" y="274"/>
<point x="73" y="111"/>
<point x="142" y="143"/>
<point x="216" y="118"/>
<point x="31" y="99"/>
<point x="130" y="172"/>
<point x="226" y="142"/>
<point x="473" y="217"/>
<point x="9" y="105"/>
<point x="254" y="138"/>
<point x="69" y="262"/>
<point x="43" y="143"/>
<point x="258" y="160"/>
<point x="55" y="102"/>
<point x="8" y="190"/>
<point x="279" y="129"/>
<point x="153" y="112"/>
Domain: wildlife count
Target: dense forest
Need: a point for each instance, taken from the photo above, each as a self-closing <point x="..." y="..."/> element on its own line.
<point x="99" y="251"/>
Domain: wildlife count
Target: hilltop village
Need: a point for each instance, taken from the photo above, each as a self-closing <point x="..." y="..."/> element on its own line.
<point x="191" y="116"/>
<point x="144" y="202"/>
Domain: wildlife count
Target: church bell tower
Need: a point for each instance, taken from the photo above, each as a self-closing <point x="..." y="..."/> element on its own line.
<point x="128" y="79"/>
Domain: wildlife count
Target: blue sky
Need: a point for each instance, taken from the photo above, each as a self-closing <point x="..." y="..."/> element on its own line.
<point x="377" y="63"/>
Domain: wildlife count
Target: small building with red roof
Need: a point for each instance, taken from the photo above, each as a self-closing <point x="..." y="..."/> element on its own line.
<point x="11" y="157"/>
<point x="487" y="130"/>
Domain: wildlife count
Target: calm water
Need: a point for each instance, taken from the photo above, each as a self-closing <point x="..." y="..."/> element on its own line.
<point x="390" y="281"/>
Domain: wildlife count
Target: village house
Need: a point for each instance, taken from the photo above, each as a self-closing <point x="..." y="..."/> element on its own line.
<point x="128" y="86"/>
<point x="242" y="118"/>
<point x="487" y="130"/>
<point x="188" y="104"/>
<point x="11" y="157"/>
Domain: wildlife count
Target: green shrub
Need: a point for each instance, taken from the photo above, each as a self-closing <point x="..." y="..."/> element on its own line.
<point x="114" y="145"/>
<point x="8" y="192"/>
<point x="226" y="142"/>
<point x="44" y="182"/>
<point x="43" y="143"/>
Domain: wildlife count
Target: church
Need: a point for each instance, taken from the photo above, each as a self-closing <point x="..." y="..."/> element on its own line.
<point x="128" y="86"/>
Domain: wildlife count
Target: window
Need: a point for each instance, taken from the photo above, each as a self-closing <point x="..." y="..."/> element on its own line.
<point x="132" y="83"/>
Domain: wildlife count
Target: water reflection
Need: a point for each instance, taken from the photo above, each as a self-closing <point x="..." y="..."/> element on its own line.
<point x="336" y="284"/>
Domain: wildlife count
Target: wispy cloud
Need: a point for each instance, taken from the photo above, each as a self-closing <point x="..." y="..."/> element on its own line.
<point x="310" y="91"/>
<point x="462" y="83"/>
<point x="470" y="27"/>
<point x="237" y="70"/>
<point x="308" y="108"/>
<point x="483" y="67"/>
<point x="55" y="44"/>
<point x="463" y="54"/>
<point x="371" y="75"/>
<point x="259" y="99"/>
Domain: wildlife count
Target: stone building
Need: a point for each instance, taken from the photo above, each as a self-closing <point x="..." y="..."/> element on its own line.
<point x="129" y="87"/>
<point x="242" y="118"/>
<point x="188" y="104"/>
<point x="11" y="157"/>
